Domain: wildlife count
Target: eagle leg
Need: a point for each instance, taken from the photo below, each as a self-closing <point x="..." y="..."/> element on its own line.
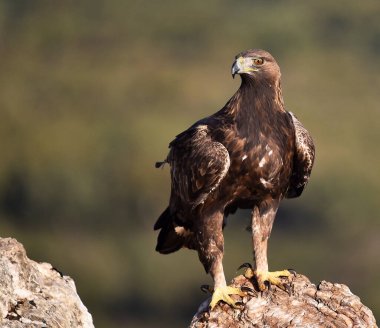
<point x="262" y="222"/>
<point x="221" y="291"/>
<point x="210" y="250"/>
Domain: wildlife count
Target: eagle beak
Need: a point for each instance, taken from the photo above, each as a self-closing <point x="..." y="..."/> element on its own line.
<point x="235" y="68"/>
<point x="242" y="65"/>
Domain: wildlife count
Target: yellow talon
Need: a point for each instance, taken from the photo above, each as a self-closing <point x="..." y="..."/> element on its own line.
<point x="223" y="294"/>
<point x="272" y="277"/>
<point x="261" y="277"/>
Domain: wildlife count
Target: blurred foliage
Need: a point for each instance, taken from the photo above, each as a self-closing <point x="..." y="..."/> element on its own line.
<point x="91" y="93"/>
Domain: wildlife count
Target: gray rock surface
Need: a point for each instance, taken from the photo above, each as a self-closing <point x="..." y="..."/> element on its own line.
<point x="35" y="294"/>
<point x="304" y="305"/>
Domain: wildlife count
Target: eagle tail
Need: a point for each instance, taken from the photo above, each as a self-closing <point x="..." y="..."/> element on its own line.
<point x="171" y="238"/>
<point x="160" y="164"/>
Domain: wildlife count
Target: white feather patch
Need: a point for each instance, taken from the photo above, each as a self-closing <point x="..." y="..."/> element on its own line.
<point x="182" y="231"/>
<point x="262" y="162"/>
<point x="264" y="182"/>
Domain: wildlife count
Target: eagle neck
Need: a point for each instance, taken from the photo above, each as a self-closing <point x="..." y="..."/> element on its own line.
<point x="262" y="95"/>
<point x="257" y="102"/>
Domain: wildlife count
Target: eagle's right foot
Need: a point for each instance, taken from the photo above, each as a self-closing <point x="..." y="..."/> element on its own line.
<point x="223" y="294"/>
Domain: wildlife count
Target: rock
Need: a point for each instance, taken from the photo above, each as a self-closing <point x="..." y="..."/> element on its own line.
<point x="35" y="294"/>
<point x="304" y="305"/>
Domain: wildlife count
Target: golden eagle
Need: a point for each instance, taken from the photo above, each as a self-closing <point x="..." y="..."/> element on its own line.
<point x="250" y="154"/>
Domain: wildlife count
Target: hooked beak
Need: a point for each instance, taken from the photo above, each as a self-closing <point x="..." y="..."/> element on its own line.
<point x="242" y="65"/>
<point x="235" y="68"/>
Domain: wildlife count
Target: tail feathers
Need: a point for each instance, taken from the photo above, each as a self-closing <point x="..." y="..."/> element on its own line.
<point x="160" y="164"/>
<point x="169" y="241"/>
<point x="171" y="238"/>
<point x="164" y="220"/>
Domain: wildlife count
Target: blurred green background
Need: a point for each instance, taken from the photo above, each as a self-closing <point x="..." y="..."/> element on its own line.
<point x="92" y="92"/>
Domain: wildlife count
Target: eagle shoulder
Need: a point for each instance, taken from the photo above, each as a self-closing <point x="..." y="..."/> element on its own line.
<point x="303" y="159"/>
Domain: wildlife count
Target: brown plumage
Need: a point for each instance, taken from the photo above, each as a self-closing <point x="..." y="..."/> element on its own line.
<point x="250" y="154"/>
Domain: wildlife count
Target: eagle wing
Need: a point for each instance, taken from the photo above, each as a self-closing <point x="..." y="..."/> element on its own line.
<point x="198" y="165"/>
<point x="303" y="159"/>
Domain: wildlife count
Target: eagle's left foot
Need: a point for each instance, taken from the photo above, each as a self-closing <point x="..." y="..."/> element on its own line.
<point x="272" y="278"/>
<point x="223" y="294"/>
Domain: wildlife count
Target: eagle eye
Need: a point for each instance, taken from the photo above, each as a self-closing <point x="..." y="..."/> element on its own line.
<point x="258" y="61"/>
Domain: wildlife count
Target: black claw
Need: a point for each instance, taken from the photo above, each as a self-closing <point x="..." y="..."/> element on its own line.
<point x="292" y="271"/>
<point x="55" y="269"/>
<point x="288" y="289"/>
<point x="248" y="290"/>
<point x="206" y="289"/>
<point x="245" y="265"/>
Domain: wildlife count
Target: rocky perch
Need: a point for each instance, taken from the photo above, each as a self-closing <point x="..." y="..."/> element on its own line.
<point x="303" y="305"/>
<point x="35" y="294"/>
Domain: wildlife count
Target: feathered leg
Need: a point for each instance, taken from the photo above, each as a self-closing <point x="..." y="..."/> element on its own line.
<point x="262" y="222"/>
<point x="210" y="250"/>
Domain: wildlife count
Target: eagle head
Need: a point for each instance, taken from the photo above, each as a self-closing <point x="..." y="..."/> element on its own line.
<point x="256" y="64"/>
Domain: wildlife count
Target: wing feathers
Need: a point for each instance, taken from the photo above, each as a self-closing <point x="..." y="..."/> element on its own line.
<point x="198" y="165"/>
<point x="303" y="159"/>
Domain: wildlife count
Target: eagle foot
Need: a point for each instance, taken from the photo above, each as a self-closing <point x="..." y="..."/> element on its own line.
<point x="265" y="279"/>
<point x="272" y="278"/>
<point x="223" y="294"/>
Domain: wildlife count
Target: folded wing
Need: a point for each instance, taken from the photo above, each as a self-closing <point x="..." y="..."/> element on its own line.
<point x="303" y="159"/>
<point x="198" y="165"/>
